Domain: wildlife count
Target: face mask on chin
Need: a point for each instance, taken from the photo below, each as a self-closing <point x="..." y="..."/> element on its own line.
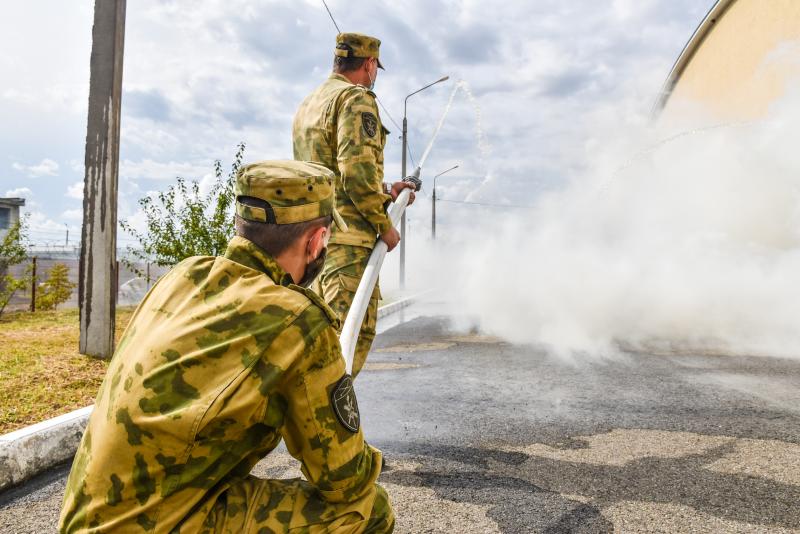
<point x="314" y="268"/>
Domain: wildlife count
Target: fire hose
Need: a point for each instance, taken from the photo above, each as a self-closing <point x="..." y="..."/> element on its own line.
<point x="352" y="324"/>
<point x="358" y="309"/>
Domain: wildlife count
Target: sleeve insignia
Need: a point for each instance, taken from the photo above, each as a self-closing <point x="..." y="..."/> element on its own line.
<point x="345" y="405"/>
<point x="369" y="123"/>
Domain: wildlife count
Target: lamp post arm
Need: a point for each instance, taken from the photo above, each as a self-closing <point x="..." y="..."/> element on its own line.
<point x="405" y="102"/>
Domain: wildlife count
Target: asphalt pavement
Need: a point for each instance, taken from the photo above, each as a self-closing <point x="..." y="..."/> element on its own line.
<point x="484" y="436"/>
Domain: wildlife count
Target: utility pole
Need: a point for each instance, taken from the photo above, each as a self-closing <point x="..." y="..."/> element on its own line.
<point x="403" y="219"/>
<point x="403" y="170"/>
<point x="96" y="283"/>
<point x="433" y="214"/>
<point x="433" y="202"/>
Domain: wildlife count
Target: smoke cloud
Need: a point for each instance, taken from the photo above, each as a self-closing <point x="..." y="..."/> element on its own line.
<point x="686" y="244"/>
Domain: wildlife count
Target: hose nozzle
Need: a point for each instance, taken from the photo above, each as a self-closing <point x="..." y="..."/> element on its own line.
<point x="413" y="178"/>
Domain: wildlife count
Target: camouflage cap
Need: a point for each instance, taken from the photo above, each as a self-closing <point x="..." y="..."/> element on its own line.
<point x="295" y="191"/>
<point x="358" y="45"/>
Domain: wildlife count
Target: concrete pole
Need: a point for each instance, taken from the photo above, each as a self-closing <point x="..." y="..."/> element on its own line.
<point x="403" y="219"/>
<point x="433" y="201"/>
<point x="96" y="283"/>
<point x="433" y="212"/>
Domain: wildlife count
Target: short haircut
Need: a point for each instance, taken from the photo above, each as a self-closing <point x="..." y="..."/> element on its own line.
<point x="274" y="238"/>
<point x="347" y="64"/>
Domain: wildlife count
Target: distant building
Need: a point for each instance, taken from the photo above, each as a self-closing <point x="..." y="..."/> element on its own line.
<point x="9" y="213"/>
<point x="741" y="59"/>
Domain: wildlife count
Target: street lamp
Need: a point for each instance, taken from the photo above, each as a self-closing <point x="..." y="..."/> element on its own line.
<point x="403" y="172"/>
<point x="433" y="203"/>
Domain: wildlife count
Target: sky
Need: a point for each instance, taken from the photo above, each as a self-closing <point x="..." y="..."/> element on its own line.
<point x="202" y="76"/>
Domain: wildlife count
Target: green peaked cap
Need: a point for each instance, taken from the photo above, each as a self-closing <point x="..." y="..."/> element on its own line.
<point x="358" y="45"/>
<point x="295" y="191"/>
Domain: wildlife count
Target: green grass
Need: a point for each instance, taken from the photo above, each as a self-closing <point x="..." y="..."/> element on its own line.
<point x="42" y="375"/>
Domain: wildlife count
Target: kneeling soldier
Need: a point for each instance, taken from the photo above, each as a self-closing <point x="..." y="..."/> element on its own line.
<point x="223" y="358"/>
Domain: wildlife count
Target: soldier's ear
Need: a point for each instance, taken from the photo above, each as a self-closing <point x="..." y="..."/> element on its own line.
<point x="317" y="242"/>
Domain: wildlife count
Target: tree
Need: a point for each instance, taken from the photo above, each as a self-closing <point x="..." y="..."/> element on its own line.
<point x="181" y="222"/>
<point x="12" y="252"/>
<point x="56" y="289"/>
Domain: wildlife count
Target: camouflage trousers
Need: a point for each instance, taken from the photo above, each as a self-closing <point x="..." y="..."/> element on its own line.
<point x="344" y="266"/>
<point x="291" y="506"/>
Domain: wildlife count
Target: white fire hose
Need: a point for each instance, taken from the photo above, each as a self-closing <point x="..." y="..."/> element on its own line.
<point x="352" y="324"/>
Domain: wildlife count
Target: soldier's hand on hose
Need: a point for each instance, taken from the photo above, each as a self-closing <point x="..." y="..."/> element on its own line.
<point x="391" y="237"/>
<point x="397" y="187"/>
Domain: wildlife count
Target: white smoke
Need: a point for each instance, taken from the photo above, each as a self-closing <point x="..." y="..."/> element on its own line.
<point x="694" y="244"/>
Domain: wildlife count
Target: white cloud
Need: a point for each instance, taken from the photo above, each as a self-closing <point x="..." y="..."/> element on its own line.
<point x="154" y="170"/>
<point x="20" y="192"/>
<point x="46" y="167"/>
<point x="60" y="97"/>
<point x="73" y="215"/>
<point x="76" y="190"/>
<point x="200" y="81"/>
<point x="44" y="231"/>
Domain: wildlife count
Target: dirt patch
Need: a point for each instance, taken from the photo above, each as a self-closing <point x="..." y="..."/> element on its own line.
<point x="475" y="338"/>
<point x="418" y="347"/>
<point x="388" y="366"/>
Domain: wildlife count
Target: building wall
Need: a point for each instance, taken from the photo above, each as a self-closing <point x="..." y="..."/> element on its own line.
<point x="13" y="217"/>
<point x="743" y="64"/>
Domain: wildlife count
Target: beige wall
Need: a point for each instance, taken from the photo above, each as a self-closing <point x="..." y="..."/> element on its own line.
<point x="744" y="63"/>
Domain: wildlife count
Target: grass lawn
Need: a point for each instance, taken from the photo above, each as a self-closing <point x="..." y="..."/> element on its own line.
<point x="42" y="375"/>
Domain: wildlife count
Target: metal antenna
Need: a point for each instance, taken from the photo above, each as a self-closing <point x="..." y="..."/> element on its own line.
<point x="324" y="3"/>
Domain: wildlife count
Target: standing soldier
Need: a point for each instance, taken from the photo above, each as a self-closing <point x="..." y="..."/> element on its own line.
<point x="338" y="125"/>
<point x="223" y="358"/>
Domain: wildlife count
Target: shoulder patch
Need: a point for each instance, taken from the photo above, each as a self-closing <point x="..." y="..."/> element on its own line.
<point x="369" y="123"/>
<point x="345" y="405"/>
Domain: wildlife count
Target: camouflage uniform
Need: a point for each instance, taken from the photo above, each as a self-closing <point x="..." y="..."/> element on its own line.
<point x="338" y="125"/>
<point x="223" y="358"/>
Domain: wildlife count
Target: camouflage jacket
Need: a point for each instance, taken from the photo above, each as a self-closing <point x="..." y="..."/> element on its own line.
<point x="338" y="125"/>
<point x="222" y="359"/>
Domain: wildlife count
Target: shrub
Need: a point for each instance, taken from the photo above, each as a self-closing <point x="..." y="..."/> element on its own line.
<point x="12" y="252"/>
<point x="56" y="289"/>
<point x="181" y="222"/>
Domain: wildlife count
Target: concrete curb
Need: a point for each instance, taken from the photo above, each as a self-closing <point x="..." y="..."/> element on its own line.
<point x="34" y="449"/>
<point x="396" y="306"/>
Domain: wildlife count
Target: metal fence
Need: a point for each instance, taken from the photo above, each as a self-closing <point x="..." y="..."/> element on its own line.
<point x="132" y="282"/>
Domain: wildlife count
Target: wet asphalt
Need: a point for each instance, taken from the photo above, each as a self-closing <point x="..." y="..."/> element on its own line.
<point x="485" y="436"/>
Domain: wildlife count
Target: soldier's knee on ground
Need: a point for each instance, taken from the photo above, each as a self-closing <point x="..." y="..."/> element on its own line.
<point x="381" y="519"/>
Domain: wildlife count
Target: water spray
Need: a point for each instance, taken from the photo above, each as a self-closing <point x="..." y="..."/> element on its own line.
<point x="355" y="317"/>
<point x="438" y="126"/>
